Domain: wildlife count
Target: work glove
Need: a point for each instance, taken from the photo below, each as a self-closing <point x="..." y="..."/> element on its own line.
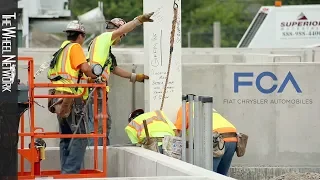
<point x="141" y="77"/>
<point x="145" y="17"/>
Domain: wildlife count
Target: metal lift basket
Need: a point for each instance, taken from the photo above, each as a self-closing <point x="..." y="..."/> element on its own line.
<point x="35" y="153"/>
<point x="23" y="100"/>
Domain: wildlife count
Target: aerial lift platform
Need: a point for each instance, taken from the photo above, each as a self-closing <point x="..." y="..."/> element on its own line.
<point x="35" y="153"/>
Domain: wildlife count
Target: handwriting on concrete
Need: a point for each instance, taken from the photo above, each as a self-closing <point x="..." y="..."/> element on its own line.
<point x="156" y="56"/>
<point x="158" y="82"/>
<point x="157" y="16"/>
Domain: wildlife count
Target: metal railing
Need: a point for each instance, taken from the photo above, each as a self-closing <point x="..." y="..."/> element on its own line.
<point x="200" y="141"/>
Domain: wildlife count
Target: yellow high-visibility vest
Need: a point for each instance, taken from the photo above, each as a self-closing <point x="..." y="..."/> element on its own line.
<point x="99" y="53"/>
<point x="64" y="71"/>
<point x="158" y="126"/>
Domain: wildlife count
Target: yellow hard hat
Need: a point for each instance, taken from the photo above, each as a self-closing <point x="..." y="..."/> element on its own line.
<point x="75" y="26"/>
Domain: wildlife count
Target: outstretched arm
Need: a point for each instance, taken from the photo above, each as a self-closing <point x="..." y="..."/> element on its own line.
<point x="121" y="72"/>
<point x="128" y="27"/>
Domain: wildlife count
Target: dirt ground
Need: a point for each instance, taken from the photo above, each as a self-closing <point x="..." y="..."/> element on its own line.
<point x="298" y="176"/>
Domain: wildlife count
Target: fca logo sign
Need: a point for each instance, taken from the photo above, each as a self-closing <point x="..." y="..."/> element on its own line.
<point x="289" y="77"/>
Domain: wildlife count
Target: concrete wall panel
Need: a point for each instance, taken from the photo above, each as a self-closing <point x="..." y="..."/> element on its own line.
<point x="134" y="162"/>
<point x="195" y="55"/>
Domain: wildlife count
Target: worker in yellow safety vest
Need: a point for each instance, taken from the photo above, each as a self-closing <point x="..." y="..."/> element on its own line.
<point x="228" y="131"/>
<point x="100" y="53"/>
<point x="158" y="126"/>
<point x="66" y="67"/>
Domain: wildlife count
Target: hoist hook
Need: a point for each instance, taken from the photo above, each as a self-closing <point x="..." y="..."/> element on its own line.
<point x="175" y="5"/>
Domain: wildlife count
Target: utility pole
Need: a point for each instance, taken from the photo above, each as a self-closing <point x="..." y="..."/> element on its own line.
<point x="189" y="39"/>
<point x="216" y="34"/>
<point x="100" y="5"/>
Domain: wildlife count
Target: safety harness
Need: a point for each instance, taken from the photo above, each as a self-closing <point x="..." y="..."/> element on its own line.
<point x="109" y="59"/>
<point x="54" y="61"/>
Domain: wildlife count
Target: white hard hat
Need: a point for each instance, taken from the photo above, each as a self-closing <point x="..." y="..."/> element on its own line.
<point x="116" y="22"/>
<point x="75" y="26"/>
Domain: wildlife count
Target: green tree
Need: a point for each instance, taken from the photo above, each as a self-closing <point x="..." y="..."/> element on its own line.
<point x="127" y="10"/>
<point x="197" y="17"/>
<point x="232" y="15"/>
<point x="289" y="2"/>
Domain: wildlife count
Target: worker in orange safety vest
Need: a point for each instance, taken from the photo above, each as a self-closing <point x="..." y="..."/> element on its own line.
<point x="66" y="68"/>
<point x="228" y="131"/>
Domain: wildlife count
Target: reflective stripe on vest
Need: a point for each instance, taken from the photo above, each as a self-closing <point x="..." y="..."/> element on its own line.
<point x="63" y="73"/>
<point x="103" y="61"/>
<point x="139" y="127"/>
<point x="99" y="53"/>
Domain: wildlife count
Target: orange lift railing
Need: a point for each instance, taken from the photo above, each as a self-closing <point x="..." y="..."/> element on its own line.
<point x="34" y="154"/>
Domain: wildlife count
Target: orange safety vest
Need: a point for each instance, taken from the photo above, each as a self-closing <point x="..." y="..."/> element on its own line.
<point x="220" y="124"/>
<point x="67" y="74"/>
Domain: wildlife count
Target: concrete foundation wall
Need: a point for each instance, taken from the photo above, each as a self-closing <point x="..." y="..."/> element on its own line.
<point x="136" y="162"/>
<point x="201" y="55"/>
<point x="153" y="178"/>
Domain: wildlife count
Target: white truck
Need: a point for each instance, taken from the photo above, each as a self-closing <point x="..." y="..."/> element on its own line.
<point x="292" y="26"/>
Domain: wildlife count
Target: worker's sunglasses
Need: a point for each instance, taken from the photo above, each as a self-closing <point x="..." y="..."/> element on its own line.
<point x="83" y="35"/>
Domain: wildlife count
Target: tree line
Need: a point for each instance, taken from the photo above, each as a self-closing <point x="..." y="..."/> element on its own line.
<point x="197" y="16"/>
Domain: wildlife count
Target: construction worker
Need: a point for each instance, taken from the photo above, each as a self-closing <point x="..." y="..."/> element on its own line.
<point x="158" y="126"/>
<point x="228" y="131"/>
<point x="100" y="53"/>
<point x="67" y="67"/>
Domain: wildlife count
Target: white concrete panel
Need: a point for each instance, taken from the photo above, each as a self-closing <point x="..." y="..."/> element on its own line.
<point x="174" y="167"/>
<point x="163" y="170"/>
<point x="273" y="129"/>
<point x="316" y="54"/>
<point x="157" y="37"/>
<point x="189" y="55"/>
<point x="134" y="162"/>
<point x="153" y="178"/>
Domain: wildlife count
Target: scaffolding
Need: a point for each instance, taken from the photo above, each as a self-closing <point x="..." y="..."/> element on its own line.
<point x="35" y="152"/>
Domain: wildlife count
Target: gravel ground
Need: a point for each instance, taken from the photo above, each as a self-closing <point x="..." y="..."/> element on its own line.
<point x="298" y="176"/>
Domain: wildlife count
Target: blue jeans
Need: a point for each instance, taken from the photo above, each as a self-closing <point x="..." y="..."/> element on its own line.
<point x="91" y="126"/>
<point x="72" y="159"/>
<point x="222" y="164"/>
<point x="160" y="149"/>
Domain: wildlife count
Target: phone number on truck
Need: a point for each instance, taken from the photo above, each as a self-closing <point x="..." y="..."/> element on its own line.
<point x="301" y="33"/>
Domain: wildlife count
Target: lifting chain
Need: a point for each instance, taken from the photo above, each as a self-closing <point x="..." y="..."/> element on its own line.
<point x="173" y="30"/>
